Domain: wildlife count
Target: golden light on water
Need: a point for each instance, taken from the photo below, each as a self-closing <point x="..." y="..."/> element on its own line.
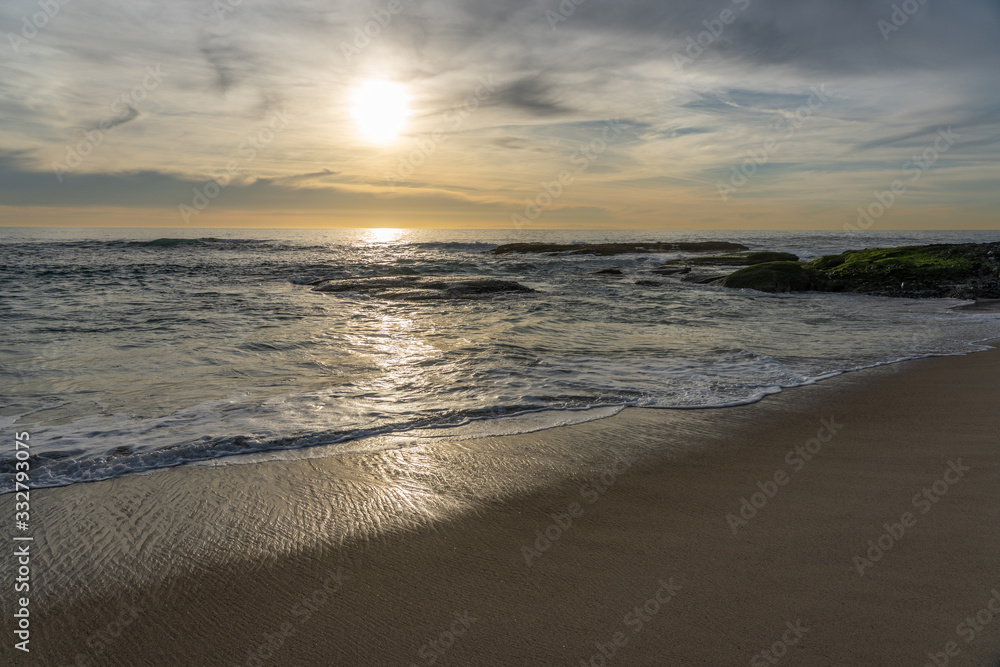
<point x="380" y="109"/>
<point x="383" y="235"/>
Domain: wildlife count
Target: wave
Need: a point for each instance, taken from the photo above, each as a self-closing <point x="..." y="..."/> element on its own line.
<point x="50" y="469"/>
<point x="168" y="243"/>
<point x="61" y="468"/>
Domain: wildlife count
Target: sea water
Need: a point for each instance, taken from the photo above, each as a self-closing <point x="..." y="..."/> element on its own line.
<point x="128" y="350"/>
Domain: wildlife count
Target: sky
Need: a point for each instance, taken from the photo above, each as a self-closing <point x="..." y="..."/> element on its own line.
<point x="573" y="114"/>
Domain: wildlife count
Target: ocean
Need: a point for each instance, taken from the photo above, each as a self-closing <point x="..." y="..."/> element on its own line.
<point x="130" y="350"/>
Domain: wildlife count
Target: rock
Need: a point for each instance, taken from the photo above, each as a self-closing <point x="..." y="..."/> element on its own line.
<point x="417" y="288"/>
<point x="932" y="270"/>
<point x="364" y="284"/>
<point x="703" y="278"/>
<point x="650" y="283"/>
<point x="743" y="259"/>
<point x="762" y="257"/>
<point x="618" y="248"/>
<point x="963" y="270"/>
<point x="776" y="277"/>
<point x="672" y="271"/>
<point x="609" y="272"/>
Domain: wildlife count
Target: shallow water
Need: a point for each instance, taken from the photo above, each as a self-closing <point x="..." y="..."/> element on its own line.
<point x="129" y="350"/>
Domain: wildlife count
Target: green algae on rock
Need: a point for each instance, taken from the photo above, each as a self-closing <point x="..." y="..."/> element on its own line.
<point x="778" y="277"/>
<point x="960" y="270"/>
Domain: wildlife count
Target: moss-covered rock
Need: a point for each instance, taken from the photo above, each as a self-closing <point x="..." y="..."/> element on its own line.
<point x="894" y="265"/>
<point x="964" y="270"/>
<point x="777" y="277"/>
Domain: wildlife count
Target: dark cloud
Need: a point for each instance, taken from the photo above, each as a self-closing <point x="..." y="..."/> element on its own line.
<point x="226" y="60"/>
<point x="22" y="186"/>
<point x="963" y="121"/>
<point x="684" y="131"/>
<point x="899" y="138"/>
<point x="811" y="36"/>
<point x="533" y="94"/>
<point x="300" y="178"/>
<point x="131" y="113"/>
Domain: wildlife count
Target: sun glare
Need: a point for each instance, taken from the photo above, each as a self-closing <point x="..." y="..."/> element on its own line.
<point x="381" y="109"/>
<point x="383" y="234"/>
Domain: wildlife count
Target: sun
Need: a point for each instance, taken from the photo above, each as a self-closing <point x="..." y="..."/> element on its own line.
<point x="381" y="109"/>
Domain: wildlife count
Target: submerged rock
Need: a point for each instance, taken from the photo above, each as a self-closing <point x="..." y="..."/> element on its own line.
<point x="704" y="278"/>
<point x="959" y="270"/>
<point x="418" y="288"/>
<point x="672" y="270"/>
<point x="363" y="284"/>
<point x="619" y="248"/>
<point x="609" y="272"/>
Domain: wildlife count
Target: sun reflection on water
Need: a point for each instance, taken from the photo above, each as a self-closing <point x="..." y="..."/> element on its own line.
<point x="383" y="235"/>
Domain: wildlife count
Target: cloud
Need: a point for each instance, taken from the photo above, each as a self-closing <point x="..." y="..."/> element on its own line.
<point x="20" y="185"/>
<point x="532" y="94"/>
<point x="228" y="62"/>
<point x="325" y="174"/>
<point x="557" y="85"/>
<point x="130" y="114"/>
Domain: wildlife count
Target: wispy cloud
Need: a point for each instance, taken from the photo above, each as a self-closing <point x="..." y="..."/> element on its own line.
<point x="556" y="87"/>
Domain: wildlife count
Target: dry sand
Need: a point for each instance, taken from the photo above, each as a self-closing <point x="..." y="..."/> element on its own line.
<point x="418" y="555"/>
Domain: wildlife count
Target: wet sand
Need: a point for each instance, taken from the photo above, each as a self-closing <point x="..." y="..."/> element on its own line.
<point x="868" y="535"/>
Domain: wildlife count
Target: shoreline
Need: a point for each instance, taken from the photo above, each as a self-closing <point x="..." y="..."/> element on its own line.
<point x="368" y="558"/>
<point x="366" y="446"/>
